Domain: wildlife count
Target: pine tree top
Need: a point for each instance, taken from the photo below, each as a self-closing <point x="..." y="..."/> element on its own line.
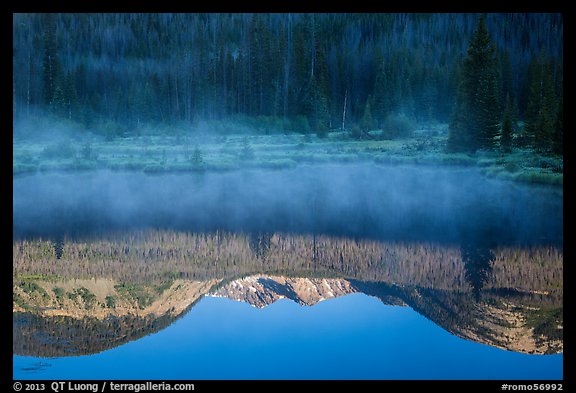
<point x="481" y="47"/>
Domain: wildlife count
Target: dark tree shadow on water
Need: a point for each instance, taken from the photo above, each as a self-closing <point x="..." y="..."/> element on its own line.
<point x="58" y="243"/>
<point x="259" y="243"/>
<point x="478" y="259"/>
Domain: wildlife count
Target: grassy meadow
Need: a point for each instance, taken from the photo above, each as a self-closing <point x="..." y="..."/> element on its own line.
<point x="159" y="151"/>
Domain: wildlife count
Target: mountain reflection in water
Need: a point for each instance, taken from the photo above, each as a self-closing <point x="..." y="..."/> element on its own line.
<point x="75" y="296"/>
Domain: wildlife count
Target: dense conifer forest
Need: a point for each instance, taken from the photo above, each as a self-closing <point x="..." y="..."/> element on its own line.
<point x="116" y="73"/>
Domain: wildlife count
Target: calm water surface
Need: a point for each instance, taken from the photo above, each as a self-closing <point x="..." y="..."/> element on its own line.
<point x="358" y="272"/>
<point x="353" y="337"/>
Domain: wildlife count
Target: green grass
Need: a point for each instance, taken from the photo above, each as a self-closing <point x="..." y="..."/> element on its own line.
<point x="142" y="295"/>
<point x="547" y="322"/>
<point x="538" y="177"/>
<point x="59" y="292"/>
<point x="18" y="301"/>
<point x="32" y="289"/>
<point x="110" y="301"/>
<point x="179" y="152"/>
<point x="87" y="297"/>
<point x="523" y="166"/>
<point x="21" y="168"/>
<point x="36" y="277"/>
<point x="160" y="288"/>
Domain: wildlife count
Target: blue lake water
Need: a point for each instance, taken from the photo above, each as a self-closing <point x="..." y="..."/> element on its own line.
<point x="351" y="337"/>
<point x="476" y="262"/>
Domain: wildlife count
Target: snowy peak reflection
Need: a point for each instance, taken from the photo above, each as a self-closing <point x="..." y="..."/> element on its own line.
<point x="510" y="320"/>
<point x="261" y="291"/>
<point x="84" y="295"/>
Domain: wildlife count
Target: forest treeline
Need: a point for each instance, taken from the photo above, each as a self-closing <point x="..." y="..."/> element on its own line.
<point x="141" y="256"/>
<point x="116" y="73"/>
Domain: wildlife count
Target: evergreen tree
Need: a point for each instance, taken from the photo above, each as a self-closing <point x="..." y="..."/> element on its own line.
<point x="381" y="96"/>
<point x="429" y="98"/>
<point x="367" y="122"/>
<point x="70" y="97"/>
<point x="58" y="104"/>
<point x="247" y="152"/>
<point x="541" y="110"/>
<point x="50" y="64"/>
<point x="315" y="107"/>
<point x="515" y="114"/>
<point x="196" y="158"/>
<point x="505" y="76"/>
<point x="321" y="76"/>
<point x="302" y="71"/>
<point x="557" y="141"/>
<point x="478" y="93"/>
<point x="506" y="137"/>
<point x="459" y="138"/>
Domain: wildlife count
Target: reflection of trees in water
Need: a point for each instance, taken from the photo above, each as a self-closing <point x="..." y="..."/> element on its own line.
<point x="259" y="242"/>
<point x="478" y="259"/>
<point x="51" y="336"/>
<point x="145" y="255"/>
<point x="156" y="254"/>
<point x="58" y="246"/>
<point x="436" y="280"/>
<point x="490" y="321"/>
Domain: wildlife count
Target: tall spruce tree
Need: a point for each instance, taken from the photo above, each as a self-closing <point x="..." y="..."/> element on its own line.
<point x="459" y="137"/>
<point x="50" y="64"/>
<point x="541" y="109"/>
<point x="367" y="121"/>
<point x="476" y="121"/>
<point x="506" y="137"/>
<point x="558" y="138"/>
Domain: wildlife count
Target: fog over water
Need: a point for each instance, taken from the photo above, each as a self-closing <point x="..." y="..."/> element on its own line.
<point x="364" y="201"/>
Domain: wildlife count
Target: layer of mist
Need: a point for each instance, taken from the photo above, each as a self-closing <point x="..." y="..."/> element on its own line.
<point x="360" y="201"/>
